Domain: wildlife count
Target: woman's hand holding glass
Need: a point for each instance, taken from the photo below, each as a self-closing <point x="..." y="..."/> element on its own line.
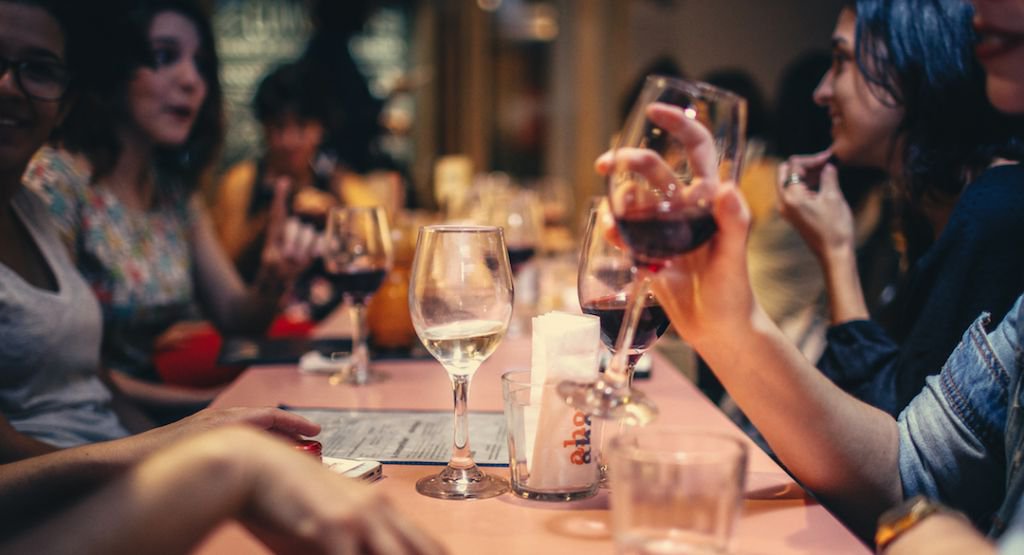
<point x="681" y="145"/>
<point x="705" y="291"/>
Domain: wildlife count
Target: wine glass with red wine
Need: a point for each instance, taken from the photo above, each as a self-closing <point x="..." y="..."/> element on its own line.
<point x="357" y="256"/>
<point x="606" y="281"/>
<point x="682" y="141"/>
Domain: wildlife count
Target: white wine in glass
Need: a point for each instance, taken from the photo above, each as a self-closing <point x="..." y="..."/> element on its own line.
<point x="460" y="300"/>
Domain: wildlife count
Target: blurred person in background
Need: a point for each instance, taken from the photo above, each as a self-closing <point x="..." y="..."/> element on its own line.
<point x="122" y="186"/>
<point x="293" y="112"/>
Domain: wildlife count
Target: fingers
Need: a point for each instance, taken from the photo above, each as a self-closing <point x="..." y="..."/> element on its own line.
<point x="278" y="209"/>
<point x="805" y="169"/>
<point x="296" y="246"/>
<point x="691" y="133"/>
<point x="733" y="219"/>
<point x="267" y="418"/>
<point x="644" y="162"/>
<point x="694" y="136"/>
<point x="830" y="180"/>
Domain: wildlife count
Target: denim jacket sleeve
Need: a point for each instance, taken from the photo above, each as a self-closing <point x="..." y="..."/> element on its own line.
<point x="952" y="435"/>
<point x="861" y="358"/>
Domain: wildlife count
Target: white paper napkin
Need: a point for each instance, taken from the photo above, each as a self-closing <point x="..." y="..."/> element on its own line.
<point x="565" y="347"/>
<point x="315" y="363"/>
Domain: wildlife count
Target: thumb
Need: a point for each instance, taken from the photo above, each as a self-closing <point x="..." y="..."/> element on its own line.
<point x="278" y="208"/>
<point x="733" y="219"/>
<point x="829" y="180"/>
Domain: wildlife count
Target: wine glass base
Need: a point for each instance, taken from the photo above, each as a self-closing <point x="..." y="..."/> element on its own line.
<point x="462" y="484"/>
<point x="603" y="400"/>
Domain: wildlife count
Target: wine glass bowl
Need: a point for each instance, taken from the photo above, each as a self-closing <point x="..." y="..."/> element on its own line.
<point x="357" y="255"/>
<point x="681" y="140"/>
<point x="460" y="300"/>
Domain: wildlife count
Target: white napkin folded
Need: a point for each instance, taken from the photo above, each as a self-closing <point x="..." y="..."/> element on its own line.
<point x="315" y="363"/>
<point x="565" y="347"/>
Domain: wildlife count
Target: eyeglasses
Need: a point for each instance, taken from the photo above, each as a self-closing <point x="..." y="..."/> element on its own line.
<point x="39" y="80"/>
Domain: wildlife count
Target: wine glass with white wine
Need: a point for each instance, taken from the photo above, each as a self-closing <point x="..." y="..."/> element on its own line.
<point x="460" y="299"/>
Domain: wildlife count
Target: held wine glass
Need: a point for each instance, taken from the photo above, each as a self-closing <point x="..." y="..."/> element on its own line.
<point x="357" y="255"/>
<point x="460" y="298"/>
<point x="682" y="141"/>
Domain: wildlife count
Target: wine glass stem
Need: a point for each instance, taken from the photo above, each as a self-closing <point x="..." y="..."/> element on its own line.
<point x="360" y="352"/>
<point x="461" y="456"/>
<point x="619" y="371"/>
<point x="631" y="367"/>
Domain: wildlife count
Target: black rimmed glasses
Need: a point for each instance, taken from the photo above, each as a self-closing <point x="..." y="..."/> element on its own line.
<point x="38" y="79"/>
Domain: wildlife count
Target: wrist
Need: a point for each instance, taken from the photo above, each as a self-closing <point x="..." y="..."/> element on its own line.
<point x="838" y="256"/>
<point x="906" y="518"/>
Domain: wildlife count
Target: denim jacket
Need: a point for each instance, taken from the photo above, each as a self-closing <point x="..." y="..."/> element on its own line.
<point x="962" y="437"/>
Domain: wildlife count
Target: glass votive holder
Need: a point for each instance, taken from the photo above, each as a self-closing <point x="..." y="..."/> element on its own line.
<point x="550" y="449"/>
<point x="675" y="490"/>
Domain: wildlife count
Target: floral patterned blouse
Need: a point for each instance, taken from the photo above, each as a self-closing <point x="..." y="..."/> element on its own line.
<point x="138" y="263"/>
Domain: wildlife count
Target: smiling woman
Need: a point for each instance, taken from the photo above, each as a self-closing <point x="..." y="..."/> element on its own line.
<point x="907" y="97"/>
<point x="50" y="318"/>
<point x="33" y="78"/>
<point x="123" y="185"/>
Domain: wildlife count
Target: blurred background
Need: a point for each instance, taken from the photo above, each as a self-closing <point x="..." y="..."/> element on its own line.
<point x="531" y="88"/>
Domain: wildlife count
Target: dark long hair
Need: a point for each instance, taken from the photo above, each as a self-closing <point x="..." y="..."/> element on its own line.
<point x="918" y="54"/>
<point x="120" y="49"/>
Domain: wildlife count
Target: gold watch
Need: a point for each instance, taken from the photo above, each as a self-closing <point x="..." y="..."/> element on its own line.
<point x="903" y="517"/>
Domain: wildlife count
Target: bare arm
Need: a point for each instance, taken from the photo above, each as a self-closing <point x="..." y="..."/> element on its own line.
<point x="840" y="447"/>
<point x="43" y="484"/>
<point x="160" y="395"/>
<point x="170" y="501"/>
<point x="15" y="446"/>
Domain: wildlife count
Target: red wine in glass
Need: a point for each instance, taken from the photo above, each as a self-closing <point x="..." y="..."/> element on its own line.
<point x="612" y="310"/>
<point x="520" y="255"/>
<point x="358" y="285"/>
<point x="651" y="239"/>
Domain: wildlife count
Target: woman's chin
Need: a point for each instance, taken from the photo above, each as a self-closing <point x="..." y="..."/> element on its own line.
<point x="1006" y="94"/>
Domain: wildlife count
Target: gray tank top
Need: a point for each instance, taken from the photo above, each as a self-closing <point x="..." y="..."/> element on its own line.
<point x="50" y="346"/>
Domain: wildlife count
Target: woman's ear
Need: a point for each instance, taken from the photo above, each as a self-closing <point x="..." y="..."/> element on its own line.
<point x="66" y="104"/>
